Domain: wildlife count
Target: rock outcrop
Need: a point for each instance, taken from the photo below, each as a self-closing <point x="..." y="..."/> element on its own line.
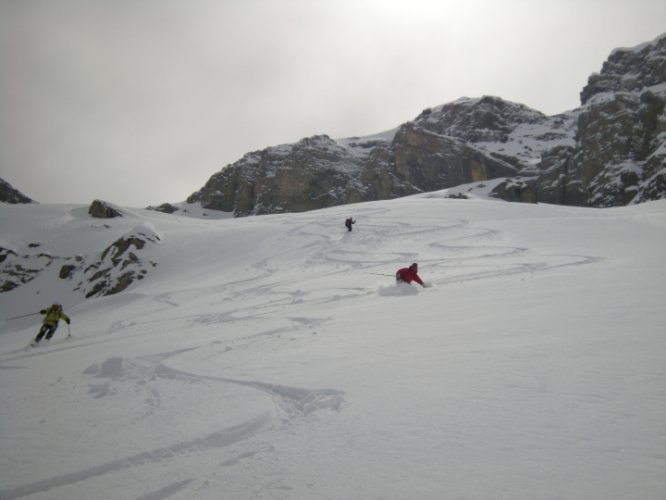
<point x="620" y="152"/>
<point x="9" y="194"/>
<point x="319" y="172"/>
<point x="20" y="266"/>
<point x="107" y="273"/>
<point x="166" y="208"/>
<point x="116" y="268"/>
<point x="103" y="210"/>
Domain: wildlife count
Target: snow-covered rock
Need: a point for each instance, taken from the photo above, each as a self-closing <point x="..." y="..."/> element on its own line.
<point x="610" y="151"/>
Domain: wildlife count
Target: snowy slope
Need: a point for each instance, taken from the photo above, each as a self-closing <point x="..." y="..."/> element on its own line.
<point x="270" y="358"/>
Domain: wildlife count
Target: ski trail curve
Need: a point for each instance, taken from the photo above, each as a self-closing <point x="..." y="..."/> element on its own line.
<point x="219" y="439"/>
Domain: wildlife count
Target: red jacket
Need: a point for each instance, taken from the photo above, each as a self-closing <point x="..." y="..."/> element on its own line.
<point x="409" y="274"/>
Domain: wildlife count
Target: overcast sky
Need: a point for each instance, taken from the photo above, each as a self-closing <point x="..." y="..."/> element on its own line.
<point x="139" y="102"/>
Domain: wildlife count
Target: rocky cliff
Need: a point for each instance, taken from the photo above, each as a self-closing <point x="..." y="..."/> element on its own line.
<point x="619" y="156"/>
<point x="319" y="172"/>
<point x="610" y="151"/>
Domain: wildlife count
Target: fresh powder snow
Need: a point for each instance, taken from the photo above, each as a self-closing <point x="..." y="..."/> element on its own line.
<point x="275" y="357"/>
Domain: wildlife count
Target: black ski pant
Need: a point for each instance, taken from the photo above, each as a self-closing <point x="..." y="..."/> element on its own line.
<point x="47" y="330"/>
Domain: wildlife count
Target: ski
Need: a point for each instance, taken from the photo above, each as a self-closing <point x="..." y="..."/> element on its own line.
<point x="42" y="343"/>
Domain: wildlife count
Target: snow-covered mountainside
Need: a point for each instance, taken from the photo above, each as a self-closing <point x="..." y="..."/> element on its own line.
<point x="276" y="358"/>
<point x="609" y="152"/>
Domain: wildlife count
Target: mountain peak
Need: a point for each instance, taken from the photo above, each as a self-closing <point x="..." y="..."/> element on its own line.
<point x="630" y="70"/>
<point x="483" y="119"/>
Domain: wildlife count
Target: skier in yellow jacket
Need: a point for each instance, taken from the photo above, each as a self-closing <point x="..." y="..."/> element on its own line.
<point x="53" y="315"/>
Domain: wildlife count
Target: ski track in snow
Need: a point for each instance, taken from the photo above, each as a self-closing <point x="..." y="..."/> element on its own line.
<point x="457" y="253"/>
<point x="452" y="263"/>
<point x="220" y="439"/>
<point x="291" y="403"/>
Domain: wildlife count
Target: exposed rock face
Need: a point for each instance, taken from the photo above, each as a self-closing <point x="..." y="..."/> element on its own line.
<point x="8" y="194"/>
<point x="428" y="159"/>
<point x="17" y="268"/>
<point x="610" y="151"/>
<point x="629" y="70"/>
<point x="518" y="190"/>
<point x="166" y="208"/>
<point x="107" y="273"/>
<point x="503" y="130"/>
<point x="313" y="173"/>
<point x="488" y="119"/>
<point x="118" y="266"/>
<point x="318" y="172"/>
<point x="470" y="140"/>
<point x="620" y="151"/>
<point x="103" y="210"/>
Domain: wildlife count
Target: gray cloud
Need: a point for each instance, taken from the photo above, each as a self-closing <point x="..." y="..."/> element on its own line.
<point x="139" y="102"/>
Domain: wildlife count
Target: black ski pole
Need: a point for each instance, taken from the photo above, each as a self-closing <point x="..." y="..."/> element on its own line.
<point x="24" y="316"/>
<point x="382" y="274"/>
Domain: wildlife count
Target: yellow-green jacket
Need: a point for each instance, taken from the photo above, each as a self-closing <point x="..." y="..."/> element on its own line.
<point x="53" y="316"/>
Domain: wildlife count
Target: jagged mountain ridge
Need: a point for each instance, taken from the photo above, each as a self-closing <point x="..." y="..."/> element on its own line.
<point x="610" y="151"/>
<point x="318" y="171"/>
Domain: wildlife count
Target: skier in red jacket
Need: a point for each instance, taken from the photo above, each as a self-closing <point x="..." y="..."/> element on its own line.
<point x="409" y="274"/>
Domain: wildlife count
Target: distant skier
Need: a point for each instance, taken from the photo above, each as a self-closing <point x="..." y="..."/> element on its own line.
<point x="349" y="222"/>
<point x="409" y="274"/>
<point x="53" y="314"/>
